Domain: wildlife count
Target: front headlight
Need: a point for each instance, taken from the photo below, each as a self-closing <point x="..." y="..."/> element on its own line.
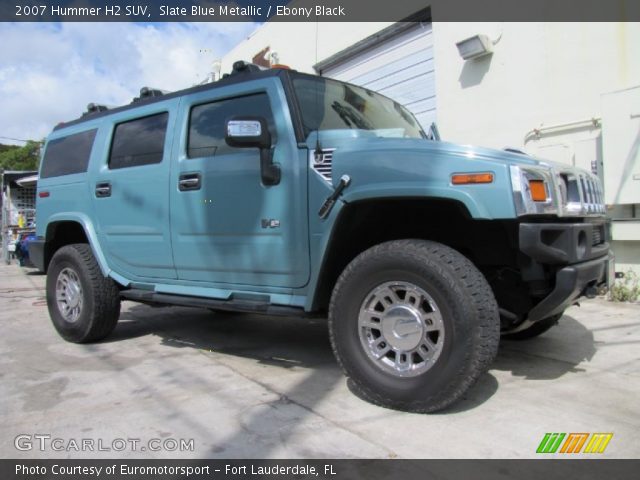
<point x="535" y="191"/>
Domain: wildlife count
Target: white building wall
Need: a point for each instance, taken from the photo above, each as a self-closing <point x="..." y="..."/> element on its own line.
<point x="539" y="74"/>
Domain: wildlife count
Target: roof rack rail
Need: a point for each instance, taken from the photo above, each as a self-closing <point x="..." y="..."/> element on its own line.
<point x="95" y="108"/>
<point x="149" y="92"/>
<point x="241" y="66"/>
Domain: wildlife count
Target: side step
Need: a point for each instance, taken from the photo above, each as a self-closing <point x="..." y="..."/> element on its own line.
<point x="233" y="305"/>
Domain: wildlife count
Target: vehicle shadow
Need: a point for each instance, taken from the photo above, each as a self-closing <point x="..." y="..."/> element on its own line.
<point x="300" y="346"/>
<point x="280" y="341"/>
<point x="479" y="393"/>
<point x="284" y="342"/>
<point x="551" y="355"/>
<point x="31" y="271"/>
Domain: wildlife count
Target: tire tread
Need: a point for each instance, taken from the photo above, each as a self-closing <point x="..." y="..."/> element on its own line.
<point x="106" y="295"/>
<point x="486" y="332"/>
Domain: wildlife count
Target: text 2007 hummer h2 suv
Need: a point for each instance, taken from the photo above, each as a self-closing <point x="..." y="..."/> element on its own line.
<point x="284" y="193"/>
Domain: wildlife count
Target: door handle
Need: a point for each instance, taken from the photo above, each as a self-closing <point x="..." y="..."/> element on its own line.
<point x="189" y="181"/>
<point x="103" y="189"/>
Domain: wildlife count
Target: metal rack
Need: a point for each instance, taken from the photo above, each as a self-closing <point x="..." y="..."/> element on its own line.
<point x="18" y="210"/>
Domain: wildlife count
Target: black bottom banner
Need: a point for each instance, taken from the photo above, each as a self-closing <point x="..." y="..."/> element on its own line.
<point x="546" y="469"/>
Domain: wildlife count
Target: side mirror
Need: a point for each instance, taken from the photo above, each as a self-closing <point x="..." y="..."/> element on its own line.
<point x="253" y="132"/>
<point x="248" y="132"/>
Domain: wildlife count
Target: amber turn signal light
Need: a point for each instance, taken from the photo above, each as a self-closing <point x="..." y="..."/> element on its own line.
<point x="471" y="178"/>
<point x="538" y="190"/>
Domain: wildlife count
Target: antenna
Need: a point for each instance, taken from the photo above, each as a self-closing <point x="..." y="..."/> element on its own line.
<point x="214" y="75"/>
<point x="318" y="112"/>
<point x="216" y="67"/>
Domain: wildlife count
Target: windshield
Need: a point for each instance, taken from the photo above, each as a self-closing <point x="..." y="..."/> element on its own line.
<point x="331" y="105"/>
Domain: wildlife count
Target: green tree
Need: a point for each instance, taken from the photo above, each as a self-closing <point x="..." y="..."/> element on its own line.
<point x="26" y="157"/>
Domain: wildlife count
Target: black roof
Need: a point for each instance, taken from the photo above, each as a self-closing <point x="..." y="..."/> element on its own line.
<point x="235" y="77"/>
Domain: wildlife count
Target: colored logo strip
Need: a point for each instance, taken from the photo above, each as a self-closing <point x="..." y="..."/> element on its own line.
<point x="574" y="442"/>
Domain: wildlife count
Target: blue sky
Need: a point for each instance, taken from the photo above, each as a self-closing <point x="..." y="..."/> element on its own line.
<point x="49" y="72"/>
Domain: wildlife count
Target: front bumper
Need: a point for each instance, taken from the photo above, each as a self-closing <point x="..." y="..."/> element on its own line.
<point x="578" y="253"/>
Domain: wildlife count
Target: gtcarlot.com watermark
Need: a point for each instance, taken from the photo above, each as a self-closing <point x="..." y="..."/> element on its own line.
<point x="49" y="443"/>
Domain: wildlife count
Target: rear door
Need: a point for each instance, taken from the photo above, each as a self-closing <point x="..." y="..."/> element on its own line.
<point x="227" y="227"/>
<point x="130" y="192"/>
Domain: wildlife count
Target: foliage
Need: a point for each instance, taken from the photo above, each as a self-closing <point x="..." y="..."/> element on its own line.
<point x="26" y="157"/>
<point x="5" y="148"/>
<point x="626" y="289"/>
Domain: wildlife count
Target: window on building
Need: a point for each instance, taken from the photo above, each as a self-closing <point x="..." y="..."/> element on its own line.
<point x="67" y="155"/>
<point x="207" y="123"/>
<point x="139" y="142"/>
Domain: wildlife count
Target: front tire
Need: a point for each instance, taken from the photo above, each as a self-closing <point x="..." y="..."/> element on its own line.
<point x="413" y="323"/>
<point x="84" y="306"/>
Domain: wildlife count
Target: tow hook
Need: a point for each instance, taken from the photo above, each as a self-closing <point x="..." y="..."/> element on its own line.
<point x="591" y="292"/>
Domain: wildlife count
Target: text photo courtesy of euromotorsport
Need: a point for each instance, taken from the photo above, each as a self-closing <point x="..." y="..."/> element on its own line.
<point x="184" y="471"/>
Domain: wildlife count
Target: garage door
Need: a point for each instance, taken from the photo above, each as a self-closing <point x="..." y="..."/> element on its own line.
<point x="400" y="67"/>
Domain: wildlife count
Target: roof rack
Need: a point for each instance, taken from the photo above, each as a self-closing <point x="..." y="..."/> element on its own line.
<point x="241" y="66"/>
<point x="149" y="92"/>
<point x="240" y="71"/>
<point x="95" y="108"/>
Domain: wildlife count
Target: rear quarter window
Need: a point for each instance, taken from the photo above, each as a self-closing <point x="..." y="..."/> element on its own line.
<point x="139" y="142"/>
<point x="67" y="155"/>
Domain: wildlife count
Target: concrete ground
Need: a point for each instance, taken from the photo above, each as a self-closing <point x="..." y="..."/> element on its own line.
<point x="244" y="386"/>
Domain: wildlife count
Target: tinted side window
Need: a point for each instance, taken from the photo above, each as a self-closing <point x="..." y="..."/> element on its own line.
<point x="138" y="142"/>
<point x="206" y="123"/>
<point x="67" y="155"/>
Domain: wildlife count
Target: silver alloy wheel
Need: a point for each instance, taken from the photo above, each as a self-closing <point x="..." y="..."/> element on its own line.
<point x="69" y="295"/>
<point x="401" y="328"/>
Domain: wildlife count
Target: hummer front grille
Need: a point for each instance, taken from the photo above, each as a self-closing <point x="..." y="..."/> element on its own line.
<point x="581" y="194"/>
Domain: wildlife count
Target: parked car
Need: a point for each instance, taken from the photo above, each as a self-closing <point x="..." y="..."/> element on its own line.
<point x="22" y="249"/>
<point x="282" y="193"/>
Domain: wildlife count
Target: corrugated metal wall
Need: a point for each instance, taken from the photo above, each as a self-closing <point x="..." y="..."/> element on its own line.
<point x="401" y="68"/>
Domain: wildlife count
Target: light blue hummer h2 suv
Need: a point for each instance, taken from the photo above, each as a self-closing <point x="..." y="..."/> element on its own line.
<point x="277" y="192"/>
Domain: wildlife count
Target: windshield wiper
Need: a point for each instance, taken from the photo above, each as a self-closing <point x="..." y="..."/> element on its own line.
<point x="348" y="116"/>
<point x="433" y="134"/>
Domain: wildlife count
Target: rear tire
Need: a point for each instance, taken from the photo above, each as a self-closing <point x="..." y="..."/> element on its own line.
<point x="84" y="306"/>
<point x="534" y="330"/>
<point x="419" y="299"/>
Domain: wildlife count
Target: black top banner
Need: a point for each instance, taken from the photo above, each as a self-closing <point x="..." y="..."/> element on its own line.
<point x="317" y="10"/>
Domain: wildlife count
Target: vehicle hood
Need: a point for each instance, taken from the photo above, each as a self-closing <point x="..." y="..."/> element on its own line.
<point x="427" y="149"/>
<point x="401" y="167"/>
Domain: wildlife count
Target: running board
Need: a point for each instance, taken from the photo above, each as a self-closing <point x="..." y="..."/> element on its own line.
<point x="233" y="305"/>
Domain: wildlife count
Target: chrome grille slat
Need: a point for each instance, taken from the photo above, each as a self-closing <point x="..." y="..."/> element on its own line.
<point x="322" y="163"/>
<point x="584" y="193"/>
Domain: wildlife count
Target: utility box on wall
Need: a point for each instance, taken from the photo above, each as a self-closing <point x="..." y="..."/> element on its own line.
<point x="621" y="146"/>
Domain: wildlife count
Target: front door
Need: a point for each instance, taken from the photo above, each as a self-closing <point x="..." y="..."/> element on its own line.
<point x="227" y="227"/>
